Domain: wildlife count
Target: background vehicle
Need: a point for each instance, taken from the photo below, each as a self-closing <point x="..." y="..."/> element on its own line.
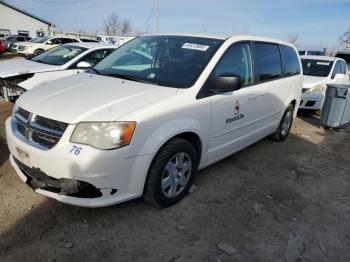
<point x="7" y="42"/>
<point x="146" y="118"/>
<point x="20" y="75"/>
<point x="311" y="52"/>
<point x="2" y="48"/>
<point x="318" y="72"/>
<point x="41" y="44"/>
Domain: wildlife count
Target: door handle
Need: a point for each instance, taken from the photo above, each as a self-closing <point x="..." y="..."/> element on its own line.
<point x="264" y="93"/>
<point x="252" y="97"/>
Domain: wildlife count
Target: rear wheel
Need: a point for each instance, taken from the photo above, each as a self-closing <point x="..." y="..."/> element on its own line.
<point x="285" y="125"/>
<point x="171" y="173"/>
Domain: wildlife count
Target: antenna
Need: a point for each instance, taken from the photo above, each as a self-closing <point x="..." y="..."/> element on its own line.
<point x="157" y="5"/>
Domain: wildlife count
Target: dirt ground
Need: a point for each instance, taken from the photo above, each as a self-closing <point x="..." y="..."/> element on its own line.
<point x="273" y="201"/>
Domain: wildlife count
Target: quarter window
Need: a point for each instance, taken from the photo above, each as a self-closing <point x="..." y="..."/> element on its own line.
<point x="290" y="60"/>
<point x="236" y="61"/>
<point x="267" y="61"/>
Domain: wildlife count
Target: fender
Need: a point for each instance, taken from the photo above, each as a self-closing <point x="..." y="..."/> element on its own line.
<point x="171" y="129"/>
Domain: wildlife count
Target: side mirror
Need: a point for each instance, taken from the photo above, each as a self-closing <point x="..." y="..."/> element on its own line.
<point x="339" y="76"/>
<point x="83" y="65"/>
<point x="227" y="83"/>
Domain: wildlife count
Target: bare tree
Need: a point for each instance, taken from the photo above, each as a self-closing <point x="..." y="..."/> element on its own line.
<point x="112" y="25"/>
<point x="293" y="39"/>
<point x="126" y="28"/>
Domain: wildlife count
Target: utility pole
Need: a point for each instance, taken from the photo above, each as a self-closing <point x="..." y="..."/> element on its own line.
<point x="157" y="6"/>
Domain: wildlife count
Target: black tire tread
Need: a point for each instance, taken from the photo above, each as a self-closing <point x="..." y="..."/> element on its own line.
<point x="151" y="182"/>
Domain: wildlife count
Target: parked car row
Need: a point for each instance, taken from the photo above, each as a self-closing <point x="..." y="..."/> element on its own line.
<point x="145" y="118"/>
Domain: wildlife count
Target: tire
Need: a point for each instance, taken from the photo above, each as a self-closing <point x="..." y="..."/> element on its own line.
<point x="284" y="127"/>
<point x="164" y="178"/>
<point x="39" y="51"/>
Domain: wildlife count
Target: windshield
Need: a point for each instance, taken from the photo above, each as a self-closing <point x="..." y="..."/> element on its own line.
<point x="39" y="40"/>
<point x="59" y="55"/>
<point x="302" y="52"/>
<point x="319" y="68"/>
<point x="173" y="61"/>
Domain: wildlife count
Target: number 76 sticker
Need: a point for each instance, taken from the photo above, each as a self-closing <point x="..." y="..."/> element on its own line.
<point x="75" y="150"/>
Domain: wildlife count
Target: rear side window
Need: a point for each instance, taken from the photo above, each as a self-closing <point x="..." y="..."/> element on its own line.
<point x="290" y="60"/>
<point x="267" y="61"/>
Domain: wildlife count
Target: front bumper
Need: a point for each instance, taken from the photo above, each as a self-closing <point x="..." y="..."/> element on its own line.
<point x="312" y="101"/>
<point x="117" y="178"/>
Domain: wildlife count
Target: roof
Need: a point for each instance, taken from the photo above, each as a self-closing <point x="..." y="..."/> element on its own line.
<point x="226" y="36"/>
<point x="319" y="57"/>
<point x="25" y="13"/>
<point x="90" y="45"/>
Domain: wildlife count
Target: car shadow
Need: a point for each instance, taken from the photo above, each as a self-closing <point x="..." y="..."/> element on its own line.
<point x="257" y="200"/>
<point x="310" y="117"/>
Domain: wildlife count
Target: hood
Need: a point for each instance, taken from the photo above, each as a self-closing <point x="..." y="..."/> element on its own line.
<point x="311" y="81"/>
<point x="88" y="97"/>
<point x="21" y="66"/>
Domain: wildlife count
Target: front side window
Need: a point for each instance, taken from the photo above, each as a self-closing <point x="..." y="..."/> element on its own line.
<point x="39" y="40"/>
<point x="59" y="55"/>
<point x="337" y="69"/>
<point x="56" y="41"/>
<point x="236" y="61"/>
<point x="97" y="56"/>
<point x="267" y="61"/>
<point x="66" y="41"/>
<point x="320" y="68"/>
<point x="173" y="61"/>
<point x="302" y="52"/>
<point x="290" y="60"/>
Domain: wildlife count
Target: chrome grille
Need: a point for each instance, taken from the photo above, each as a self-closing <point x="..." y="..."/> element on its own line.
<point x="48" y="123"/>
<point x="38" y="130"/>
<point x="23" y="113"/>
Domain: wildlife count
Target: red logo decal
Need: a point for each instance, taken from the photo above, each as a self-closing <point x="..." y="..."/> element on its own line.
<point x="237" y="108"/>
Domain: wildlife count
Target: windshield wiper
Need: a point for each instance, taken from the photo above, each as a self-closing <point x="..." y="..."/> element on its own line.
<point x="95" y="70"/>
<point x="126" y="77"/>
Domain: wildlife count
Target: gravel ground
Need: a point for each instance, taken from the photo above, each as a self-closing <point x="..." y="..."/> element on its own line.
<point x="273" y="201"/>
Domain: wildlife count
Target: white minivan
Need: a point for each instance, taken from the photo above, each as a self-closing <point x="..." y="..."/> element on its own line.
<point x="150" y="115"/>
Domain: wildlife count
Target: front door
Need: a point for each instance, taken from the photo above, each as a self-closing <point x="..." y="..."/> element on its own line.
<point x="234" y="114"/>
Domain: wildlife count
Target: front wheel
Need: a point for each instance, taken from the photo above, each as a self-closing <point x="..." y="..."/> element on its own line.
<point x="171" y="173"/>
<point x="39" y="51"/>
<point x="285" y="125"/>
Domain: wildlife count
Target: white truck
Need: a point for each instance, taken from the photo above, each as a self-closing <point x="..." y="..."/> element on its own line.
<point x="150" y="115"/>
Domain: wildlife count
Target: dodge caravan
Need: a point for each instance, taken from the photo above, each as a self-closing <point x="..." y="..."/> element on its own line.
<point x="144" y="120"/>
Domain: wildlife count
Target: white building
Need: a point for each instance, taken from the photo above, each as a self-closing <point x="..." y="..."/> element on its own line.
<point x="14" y="21"/>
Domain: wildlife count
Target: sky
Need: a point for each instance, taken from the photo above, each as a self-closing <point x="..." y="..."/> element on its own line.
<point x="318" y="23"/>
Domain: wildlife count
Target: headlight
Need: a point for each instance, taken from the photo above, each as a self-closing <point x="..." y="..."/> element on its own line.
<point x="317" y="89"/>
<point x="103" y="135"/>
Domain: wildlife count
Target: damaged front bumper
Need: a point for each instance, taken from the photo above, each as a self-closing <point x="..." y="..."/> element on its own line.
<point x="94" y="178"/>
<point x="9" y="88"/>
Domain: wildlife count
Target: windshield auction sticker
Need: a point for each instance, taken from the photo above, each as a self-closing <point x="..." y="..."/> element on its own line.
<point x="195" y="47"/>
<point x="323" y="63"/>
